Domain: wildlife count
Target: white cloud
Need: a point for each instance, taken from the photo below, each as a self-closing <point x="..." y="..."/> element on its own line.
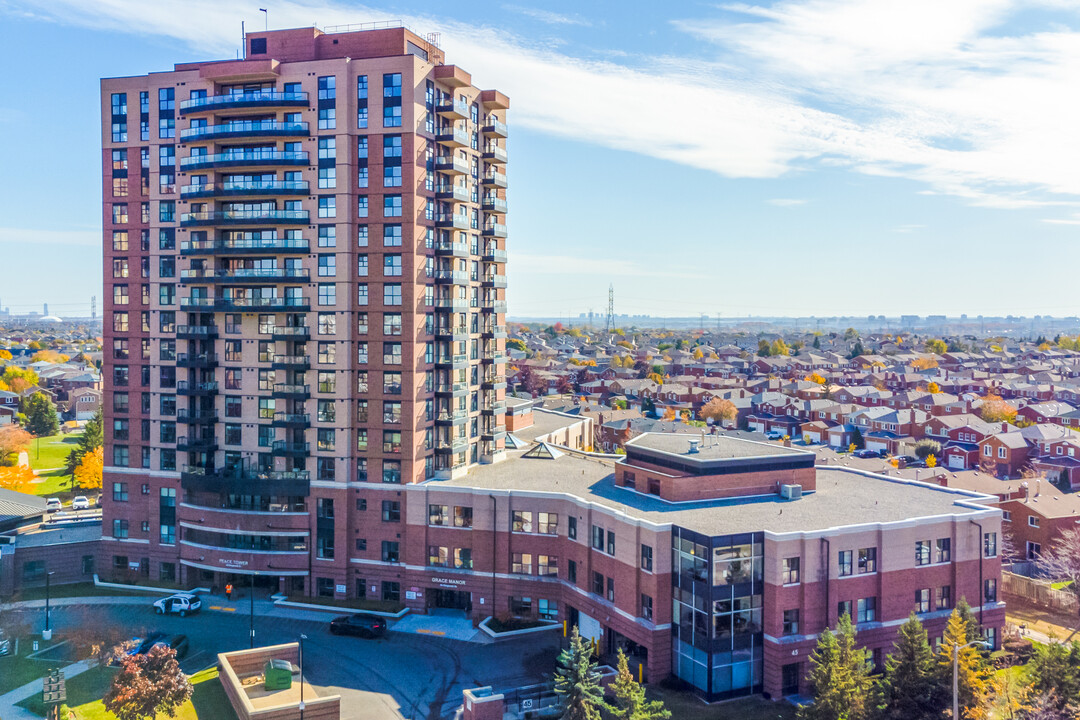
<point x="910" y="228"/>
<point x="32" y="237"/>
<point x="941" y="93"/>
<point x="547" y="16"/>
<point x="787" y="202"/>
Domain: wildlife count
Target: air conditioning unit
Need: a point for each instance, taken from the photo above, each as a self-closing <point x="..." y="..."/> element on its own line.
<point x="791" y="492"/>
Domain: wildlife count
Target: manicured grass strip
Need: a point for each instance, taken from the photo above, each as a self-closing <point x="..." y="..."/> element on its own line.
<point x="350" y="604"/>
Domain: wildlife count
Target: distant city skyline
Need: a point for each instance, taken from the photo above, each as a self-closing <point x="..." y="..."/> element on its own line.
<point x="762" y="159"/>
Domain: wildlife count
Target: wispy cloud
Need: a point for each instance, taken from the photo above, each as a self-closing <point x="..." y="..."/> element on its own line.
<point x="33" y="237"/>
<point x="939" y="93"/>
<point x="910" y="228"/>
<point x="787" y="202"/>
<point x="547" y="16"/>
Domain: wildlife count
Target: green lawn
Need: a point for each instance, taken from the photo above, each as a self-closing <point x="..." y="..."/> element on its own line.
<point x="84" y="693"/>
<point x="85" y="589"/>
<point x="17" y="670"/>
<point x="48" y="455"/>
<point x="687" y="706"/>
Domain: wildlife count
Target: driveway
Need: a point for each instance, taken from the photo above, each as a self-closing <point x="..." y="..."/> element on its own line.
<point x="402" y="675"/>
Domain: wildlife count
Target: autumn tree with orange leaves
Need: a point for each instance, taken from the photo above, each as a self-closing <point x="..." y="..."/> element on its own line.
<point x="17" y="478"/>
<point x="995" y="409"/>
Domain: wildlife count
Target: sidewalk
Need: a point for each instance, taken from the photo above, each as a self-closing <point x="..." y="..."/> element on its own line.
<point x="10" y="711"/>
<point x="1042" y="625"/>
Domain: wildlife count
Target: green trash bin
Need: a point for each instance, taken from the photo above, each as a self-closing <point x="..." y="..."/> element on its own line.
<point x="277" y="675"/>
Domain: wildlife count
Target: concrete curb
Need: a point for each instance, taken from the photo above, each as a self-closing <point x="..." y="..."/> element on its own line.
<point x="279" y="601"/>
<point x="517" y="633"/>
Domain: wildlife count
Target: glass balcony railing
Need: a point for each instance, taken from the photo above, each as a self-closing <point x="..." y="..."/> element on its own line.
<point x="245" y="217"/>
<point x="240" y="274"/>
<point x="252" y="128"/>
<point x="245" y="157"/>
<point x="245" y="245"/>
<point x="258" y="98"/>
<point x="246" y="187"/>
<point x="496" y="128"/>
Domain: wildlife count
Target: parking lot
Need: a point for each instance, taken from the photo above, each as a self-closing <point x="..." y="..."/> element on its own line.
<point x="401" y="675"/>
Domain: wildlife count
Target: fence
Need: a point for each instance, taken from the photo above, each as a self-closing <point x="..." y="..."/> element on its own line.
<point x="1038" y="592"/>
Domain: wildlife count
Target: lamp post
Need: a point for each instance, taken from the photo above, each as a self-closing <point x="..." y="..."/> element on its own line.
<point x="251" y="621"/>
<point x="302" y="639"/>
<point x="955" y="667"/>
<point x="47" y="634"/>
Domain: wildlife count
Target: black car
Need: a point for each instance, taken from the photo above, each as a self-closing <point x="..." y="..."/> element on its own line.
<point x="147" y="642"/>
<point x="178" y="643"/>
<point x="908" y="459"/>
<point x="365" y="626"/>
<point x="866" y="454"/>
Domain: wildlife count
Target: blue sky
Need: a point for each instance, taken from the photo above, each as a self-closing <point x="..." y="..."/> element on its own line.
<point x="787" y="158"/>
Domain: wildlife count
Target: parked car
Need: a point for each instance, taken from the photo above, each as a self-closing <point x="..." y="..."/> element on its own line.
<point x="907" y="459"/>
<point x="81" y="502"/>
<point x="365" y="626"/>
<point x="180" y="604"/>
<point x="867" y="453"/>
<point x="53" y="505"/>
<point x="774" y="435"/>
<point x="143" y="645"/>
<point x="178" y="643"/>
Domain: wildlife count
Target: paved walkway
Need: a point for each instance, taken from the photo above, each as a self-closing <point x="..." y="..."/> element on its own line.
<point x="454" y="628"/>
<point x="10" y="711"/>
<point x="1042" y="625"/>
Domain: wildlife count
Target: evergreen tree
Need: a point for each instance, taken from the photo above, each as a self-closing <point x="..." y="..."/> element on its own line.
<point x="817" y="342"/>
<point x="41" y="418"/>
<point x="971" y="669"/>
<point x="92" y="438"/>
<point x="909" y="690"/>
<point x="578" y="681"/>
<point x="856" y="350"/>
<point x="857" y="439"/>
<point x="971" y="623"/>
<point x="630" y="701"/>
<point x="840" y="677"/>
<point x="1055" y="672"/>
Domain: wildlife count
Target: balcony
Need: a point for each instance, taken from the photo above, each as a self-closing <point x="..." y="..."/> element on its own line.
<point x="457" y="193"/>
<point x="256" y="276"/>
<point x="458" y="389"/>
<point x="196" y="444"/>
<point x="495" y="128"/>
<point x="246" y="128"/>
<point x="290" y="362"/>
<point x="493" y="331"/>
<point x="270" y="245"/>
<point x="495" y="155"/>
<point x="290" y="449"/>
<point x="235" y="101"/>
<point x="452" y="249"/>
<point x="196" y="332"/>
<point x="235" y="304"/>
<point x="454" y="109"/>
<point x="183" y="387"/>
<point x="451" y="445"/>
<point x="243" y="481"/>
<point x="452" y="304"/>
<point x="493" y="406"/>
<point x="291" y="392"/>
<point x="460" y="333"/>
<point x="450" y="360"/>
<point x="451" y="277"/>
<point x="494" y="230"/>
<point x="196" y="360"/>
<point x="245" y="187"/>
<point x="494" y="204"/>
<point x="452" y="417"/>
<point x="290" y="333"/>
<point x="492" y="431"/>
<point x="493" y="254"/>
<point x="245" y="217"/>
<point x="452" y="137"/>
<point x="495" y="306"/>
<point x="294" y="420"/>
<point x="452" y="165"/>
<point x="196" y="417"/>
<point x="494" y="179"/>
<point x="248" y="158"/>
<point x="457" y="221"/>
<point x="493" y="381"/>
<point x="495" y="281"/>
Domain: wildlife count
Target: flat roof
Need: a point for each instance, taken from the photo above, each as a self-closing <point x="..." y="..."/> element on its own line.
<point x="546" y="421"/>
<point x="843" y="497"/>
<point x="713" y="447"/>
<point x="44" y="535"/>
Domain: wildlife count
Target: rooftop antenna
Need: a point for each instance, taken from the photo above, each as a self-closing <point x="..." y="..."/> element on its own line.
<point x="266" y="18"/>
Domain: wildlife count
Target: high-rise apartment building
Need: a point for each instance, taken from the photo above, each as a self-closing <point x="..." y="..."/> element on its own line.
<point x="305" y="297"/>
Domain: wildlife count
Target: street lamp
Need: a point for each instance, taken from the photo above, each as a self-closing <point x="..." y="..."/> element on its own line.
<point x="302" y="639"/>
<point x="955" y="680"/>
<point x="251" y="622"/>
<point x="47" y="634"/>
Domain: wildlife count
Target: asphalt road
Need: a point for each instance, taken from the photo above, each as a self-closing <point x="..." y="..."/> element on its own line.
<point x="399" y="676"/>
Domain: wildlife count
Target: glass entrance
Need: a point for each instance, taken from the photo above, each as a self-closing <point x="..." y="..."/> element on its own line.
<point x="449" y="599"/>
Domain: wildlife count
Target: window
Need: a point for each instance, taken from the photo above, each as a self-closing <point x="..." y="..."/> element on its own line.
<point x="390" y="551"/>
<point x="463" y="558"/>
<point x="646" y="558"/>
<point x="547" y="609"/>
<point x="990" y="544"/>
<point x="520" y="605"/>
<point x="523" y="521"/>
<point x="462" y="516"/>
<point x="791" y="622"/>
<point x="571" y="571"/>
<point x="922" y="600"/>
<point x="597" y="583"/>
<point x="327" y="265"/>
<point x="571" y="527"/>
<point x="922" y="552"/>
<point x="391" y="206"/>
<point x="944" y="597"/>
<point x="845" y="561"/>
<point x="843" y="608"/>
<point x="391" y="236"/>
<point x="392" y="176"/>
<point x="391" y="511"/>
<point x="597" y="537"/>
<point x="327" y="294"/>
<point x="391" y="590"/>
<point x="392" y="294"/>
<point x="646" y="607"/>
<point x="610" y="543"/>
<point x="547" y="523"/>
<point x="327" y="206"/>
<point x="438" y="556"/>
<point x="120" y="528"/>
<point x="392" y="265"/>
<point x="867" y="560"/>
<point x="990" y="590"/>
<point x="943" y="550"/>
<point x="866" y="610"/>
<point x="547" y="565"/>
<point x="790" y="572"/>
<point x="1034" y="520"/>
<point x="521" y="564"/>
<point x="611" y="589"/>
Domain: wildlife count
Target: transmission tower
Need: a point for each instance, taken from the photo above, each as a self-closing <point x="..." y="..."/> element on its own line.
<point x="93" y="307"/>
<point x="610" y="308"/>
